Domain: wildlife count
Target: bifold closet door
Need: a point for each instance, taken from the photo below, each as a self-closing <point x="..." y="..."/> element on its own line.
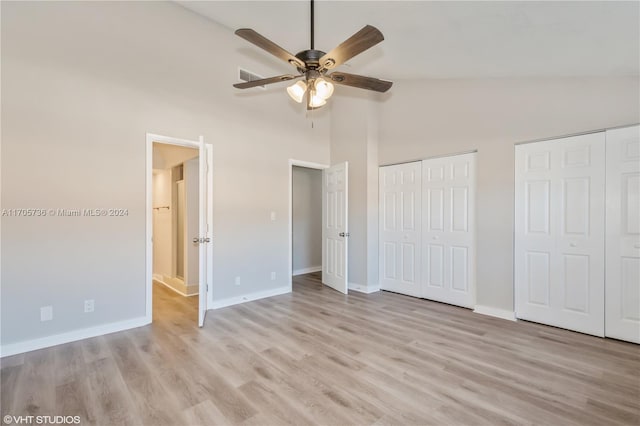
<point x="559" y="232"/>
<point x="448" y="223"/>
<point x="623" y="234"/>
<point x="399" y="224"/>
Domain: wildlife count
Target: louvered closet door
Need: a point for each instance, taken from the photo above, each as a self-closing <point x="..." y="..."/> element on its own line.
<point x="399" y="222"/>
<point x="623" y="234"/>
<point x="448" y="222"/>
<point x="559" y="232"/>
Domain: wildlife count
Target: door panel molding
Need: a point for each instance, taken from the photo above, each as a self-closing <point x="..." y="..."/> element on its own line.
<point x="456" y="235"/>
<point x="559" y="232"/>
<point x="400" y="226"/>
<point x="622" y="311"/>
<point x="335" y="227"/>
<point x="427" y="229"/>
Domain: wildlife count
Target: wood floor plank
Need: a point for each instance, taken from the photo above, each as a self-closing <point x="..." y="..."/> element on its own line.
<point x="108" y="395"/>
<point x="35" y="389"/>
<point x="316" y="356"/>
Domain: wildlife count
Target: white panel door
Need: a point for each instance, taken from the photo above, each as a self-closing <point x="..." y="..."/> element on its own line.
<point x="448" y="224"/>
<point x="205" y="215"/>
<point x="399" y="222"/>
<point x="623" y="234"/>
<point x="559" y="232"/>
<point x="334" y="227"/>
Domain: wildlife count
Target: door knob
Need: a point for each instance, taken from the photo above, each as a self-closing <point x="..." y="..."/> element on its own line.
<point x="197" y="240"/>
<point x="344" y="234"/>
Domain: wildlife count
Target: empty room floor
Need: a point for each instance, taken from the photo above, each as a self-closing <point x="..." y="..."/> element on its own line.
<point x="316" y="356"/>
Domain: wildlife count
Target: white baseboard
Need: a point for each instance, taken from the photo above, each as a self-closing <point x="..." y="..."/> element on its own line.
<point x="230" y="301"/>
<point x="193" y="289"/>
<point x="71" y="336"/>
<point x="307" y="270"/>
<point x="175" y="290"/>
<point x="495" y="312"/>
<point x="363" y="288"/>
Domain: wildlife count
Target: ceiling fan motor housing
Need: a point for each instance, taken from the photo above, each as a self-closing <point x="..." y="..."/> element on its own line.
<point x="311" y="58"/>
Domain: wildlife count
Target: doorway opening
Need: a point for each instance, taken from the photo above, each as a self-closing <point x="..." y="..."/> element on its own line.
<point x="178" y="253"/>
<point x="306" y="210"/>
<point x="175" y="218"/>
<point x="305" y="218"/>
<point x="333" y="231"/>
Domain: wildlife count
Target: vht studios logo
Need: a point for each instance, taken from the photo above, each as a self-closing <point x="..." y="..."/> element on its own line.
<point x="41" y="420"/>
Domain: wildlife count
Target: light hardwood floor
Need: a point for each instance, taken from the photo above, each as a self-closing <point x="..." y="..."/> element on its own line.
<point x="318" y="357"/>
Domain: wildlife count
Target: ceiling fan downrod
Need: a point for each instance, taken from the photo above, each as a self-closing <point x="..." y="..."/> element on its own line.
<point x="312" y="28"/>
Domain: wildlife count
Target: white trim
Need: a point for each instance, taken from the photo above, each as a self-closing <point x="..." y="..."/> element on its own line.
<point x="175" y="290"/>
<point x="473" y="151"/>
<point x="588" y="132"/>
<point x="495" y="312"/>
<point x="363" y="288"/>
<point x="230" y="301"/>
<point x="308" y="165"/>
<point x="71" y="336"/>
<point x="307" y="270"/>
<point x="150" y="139"/>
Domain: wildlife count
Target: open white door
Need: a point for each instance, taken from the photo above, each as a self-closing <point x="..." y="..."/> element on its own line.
<point x="204" y="227"/>
<point x="334" y="227"/>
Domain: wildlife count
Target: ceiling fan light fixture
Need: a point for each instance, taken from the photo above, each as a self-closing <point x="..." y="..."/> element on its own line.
<point x="324" y="89"/>
<point x="297" y="91"/>
<point x="315" y="100"/>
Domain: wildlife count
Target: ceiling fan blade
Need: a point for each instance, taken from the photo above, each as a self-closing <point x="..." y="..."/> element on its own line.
<point x="361" y="82"/>
<point x="264" y="43"/>
<point x="367" y="37"/>
<point x="264" y="81"/>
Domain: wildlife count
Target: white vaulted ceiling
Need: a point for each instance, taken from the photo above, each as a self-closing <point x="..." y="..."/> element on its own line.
<point x="454" y="39"/>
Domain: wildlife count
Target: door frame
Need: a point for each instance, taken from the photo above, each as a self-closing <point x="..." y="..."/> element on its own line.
<point x="152" y="138"/>
<point x="308" y="165"/>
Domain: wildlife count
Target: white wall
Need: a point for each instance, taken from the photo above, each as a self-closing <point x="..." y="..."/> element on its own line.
<point x="82" y="82"/>
<point x="307" y="218"/>
<point x="354" y="138"/>
<point x="421" y="119"/>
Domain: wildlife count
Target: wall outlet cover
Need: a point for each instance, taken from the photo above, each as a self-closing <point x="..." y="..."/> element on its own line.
<point x="46" y="313"/>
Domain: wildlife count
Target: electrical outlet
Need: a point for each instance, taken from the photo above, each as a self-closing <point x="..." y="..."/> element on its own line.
<point x="46" y="313"/>
<point x="273" y="216"/>
<point x="237" y="280"/>
<point x="273" y="276"/>
<point x="89" y="305"/>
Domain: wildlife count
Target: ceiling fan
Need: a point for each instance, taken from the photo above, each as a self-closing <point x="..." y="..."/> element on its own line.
<point x="313" y="65"/>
